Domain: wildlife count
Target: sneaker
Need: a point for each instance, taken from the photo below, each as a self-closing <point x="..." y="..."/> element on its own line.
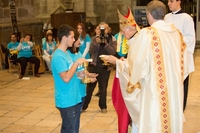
<point x="104" y="111"/>
<point x="97" y="94"/>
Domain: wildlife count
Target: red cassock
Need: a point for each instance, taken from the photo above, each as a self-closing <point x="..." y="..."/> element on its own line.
<point x="120" y="107"/>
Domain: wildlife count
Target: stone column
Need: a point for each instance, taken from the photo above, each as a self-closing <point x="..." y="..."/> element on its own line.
<point x="43" y="7"/>
<point x="89" y="10"/>
<point x="40" y="9"/>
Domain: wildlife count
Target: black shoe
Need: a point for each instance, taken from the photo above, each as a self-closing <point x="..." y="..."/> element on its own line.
<point x="37" y="75"/>
<point x="104" y="111"/>
<point x="97" y="94"/>
<point x="21" y="76"/>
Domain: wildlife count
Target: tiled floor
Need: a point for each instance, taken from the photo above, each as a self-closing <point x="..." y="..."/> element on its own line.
<point x="27" y="106"/>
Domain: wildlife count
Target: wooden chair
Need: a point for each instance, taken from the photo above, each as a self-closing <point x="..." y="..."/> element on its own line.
<point x="29" y="68"/>
<point x="38" y="54"/>
<point x="2" y="57"/>
<point x="12" y="66"/>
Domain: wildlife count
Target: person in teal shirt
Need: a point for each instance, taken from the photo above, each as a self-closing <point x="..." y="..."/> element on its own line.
<point x="12" y="47"/>
<point x="48" y="48"/>
<point x="44" y="38"/>
<point x="25" y="55"/>
<point x="67" y="93"/>
<point x="122" y="46"/>
<point x="85" y="41"/>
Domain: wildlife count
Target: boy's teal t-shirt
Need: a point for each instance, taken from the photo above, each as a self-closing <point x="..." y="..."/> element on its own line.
<point x="82" y="86"/>
<point x="66" y="94"/>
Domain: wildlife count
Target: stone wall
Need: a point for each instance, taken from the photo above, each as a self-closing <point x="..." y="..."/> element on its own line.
<point x="24" y="9"/>
<point x="107" y="9"/>
<point x="96" y="10"/>
<point x="31" y="14"/>
<point x="27" y="23"/>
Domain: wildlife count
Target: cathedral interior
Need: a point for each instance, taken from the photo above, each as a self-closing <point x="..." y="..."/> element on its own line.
<point x="30" y="15"/>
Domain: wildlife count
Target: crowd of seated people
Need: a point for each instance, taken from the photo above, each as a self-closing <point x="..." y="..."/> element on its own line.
<point x="22" y="53"/>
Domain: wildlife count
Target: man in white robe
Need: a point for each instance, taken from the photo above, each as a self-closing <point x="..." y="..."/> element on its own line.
<point x="151" y="78"/>
<point x="185" y="24"/>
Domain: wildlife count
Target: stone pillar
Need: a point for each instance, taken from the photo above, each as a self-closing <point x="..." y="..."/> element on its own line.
<point x="43" y="7"/>
<point x="89" y="10"/>
<point x="1" y="9"/>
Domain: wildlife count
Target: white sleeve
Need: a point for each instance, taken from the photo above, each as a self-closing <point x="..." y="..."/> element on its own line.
<point x="122" y="67"/>
<point x="86" y="49"/>
<point x="30" y="43"/>
<point x="19" y="47"/>
<point x="189" y="34"/>
<point x="45" y="53"/>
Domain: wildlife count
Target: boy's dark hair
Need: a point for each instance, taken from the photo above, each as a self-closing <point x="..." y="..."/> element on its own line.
<point x="73" y="49"/>
<point x="64" y="30"/>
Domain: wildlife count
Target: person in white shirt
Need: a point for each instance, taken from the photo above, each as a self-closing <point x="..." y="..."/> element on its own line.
<point x="47" y="25"/>
<point x="185" y="24"/>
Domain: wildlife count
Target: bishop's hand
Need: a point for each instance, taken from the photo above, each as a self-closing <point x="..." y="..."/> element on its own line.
<point x="110" y="58"/>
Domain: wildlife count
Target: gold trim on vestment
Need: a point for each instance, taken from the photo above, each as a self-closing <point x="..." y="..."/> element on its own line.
<point x="161" y="80"/>
<point x="183" y="47"/>
<point x="131" y="87"/>
<point x="122" y="44"/>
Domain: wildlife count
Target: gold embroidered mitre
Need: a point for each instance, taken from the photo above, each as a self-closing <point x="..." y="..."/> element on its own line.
<point x="127" y="20"/>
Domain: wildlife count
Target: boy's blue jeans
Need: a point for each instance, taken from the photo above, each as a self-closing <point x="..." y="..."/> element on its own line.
<point x="70" y="117"/>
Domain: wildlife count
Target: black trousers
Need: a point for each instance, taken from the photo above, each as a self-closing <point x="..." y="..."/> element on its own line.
<point x="23" y="63"/>
<point x="185" y="85"/>
<point x="102" y="79"/>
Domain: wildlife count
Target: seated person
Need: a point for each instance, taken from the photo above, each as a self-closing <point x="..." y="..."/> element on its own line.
<point x="12" y="47"/>
<point x="48" y="48"/>
<point x="25" y="55"/>
<point x="44" y="39"/>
